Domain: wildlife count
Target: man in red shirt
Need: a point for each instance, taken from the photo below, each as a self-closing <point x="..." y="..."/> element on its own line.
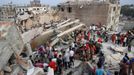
<point x="53" y="65"/>
<point x="88" y="35"/>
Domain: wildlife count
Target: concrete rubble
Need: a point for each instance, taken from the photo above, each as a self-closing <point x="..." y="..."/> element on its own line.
<point x="113" y="53"/>
<point x="37" y="39"/>
<point x="26" y="37"/>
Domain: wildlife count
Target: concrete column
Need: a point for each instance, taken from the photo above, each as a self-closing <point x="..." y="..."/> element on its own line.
<point x="29" y="49"/>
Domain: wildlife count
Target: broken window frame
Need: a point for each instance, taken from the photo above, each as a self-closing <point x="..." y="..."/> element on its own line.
<point x="114" y="8"/>
<point x="62" y="9"/>
<point x="69" y="9"/>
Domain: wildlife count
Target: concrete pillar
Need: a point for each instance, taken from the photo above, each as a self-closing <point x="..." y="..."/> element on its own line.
<point x="29" y="49"/>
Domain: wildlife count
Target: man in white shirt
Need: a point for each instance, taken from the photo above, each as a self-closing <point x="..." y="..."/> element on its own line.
<point x="67" y="60"/>
<point x="94" y="28"/>
<point x="71" y="53"/>
<point x="72" y="45"/>
<point x="124" y="41"/>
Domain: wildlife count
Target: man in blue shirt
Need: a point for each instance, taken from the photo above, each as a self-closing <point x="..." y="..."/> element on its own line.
<point x="99" y="71"/>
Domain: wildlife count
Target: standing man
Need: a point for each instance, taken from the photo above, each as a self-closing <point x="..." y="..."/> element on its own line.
<point x="99" y="70"/>
<point x="67" y="60"/>
<point x="71" y="57"/>
<point x="59" y="64"/>
<point x="124" y="41"/>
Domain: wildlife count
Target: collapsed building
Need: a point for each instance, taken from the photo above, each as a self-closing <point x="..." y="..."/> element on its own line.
<point x="7" y="12"/>
<point x="13" y="42"/>
<point x="57" y="32"/>
<point x="99" y="12"/>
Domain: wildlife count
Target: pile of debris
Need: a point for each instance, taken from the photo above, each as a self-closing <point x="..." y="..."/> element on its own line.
<point x="15" y="45"/>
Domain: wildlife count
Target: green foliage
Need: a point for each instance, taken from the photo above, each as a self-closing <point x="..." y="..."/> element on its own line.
<point x="127" y="10"/>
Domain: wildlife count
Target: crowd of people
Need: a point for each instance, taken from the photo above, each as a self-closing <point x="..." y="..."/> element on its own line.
<point x="83" y="48"/>
<point x="86" y="45"/>
<point x="57" y="59"/>
<point x="122" y="39"/>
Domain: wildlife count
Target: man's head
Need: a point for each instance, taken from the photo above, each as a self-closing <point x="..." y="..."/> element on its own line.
<point x="60" y="56"/>
<point x="125" y="54"/>
<point x="99" y="65"/>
